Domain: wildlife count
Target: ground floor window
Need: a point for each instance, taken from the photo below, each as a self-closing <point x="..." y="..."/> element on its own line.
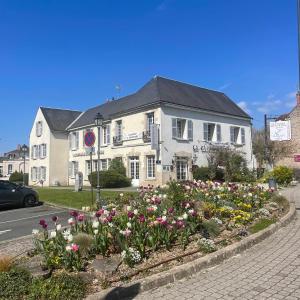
<point x="88" y="168"/>
<point x="73" y="168"/>
<point x="150" y="166"/>
<point x="134" y="167"/>
<point x="1" y="171"/>
<point x="181" y="169"/>
<point x="10" y="169"/>
<point x="33" y="173"/>
<point x="42" y="173"/>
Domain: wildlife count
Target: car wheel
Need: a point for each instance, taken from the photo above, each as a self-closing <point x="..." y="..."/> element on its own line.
<point x="29" y="200"/>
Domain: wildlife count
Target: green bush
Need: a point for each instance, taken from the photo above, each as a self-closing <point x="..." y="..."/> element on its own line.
<point x="109" y="179"/>
<point x="117" y="165"/>
<point x="61" y="286"/>
<point x="201" y="173"/>
<point x="14" y="284"/>
<point x="17" y="177"/>
<point x="282" y="174"/>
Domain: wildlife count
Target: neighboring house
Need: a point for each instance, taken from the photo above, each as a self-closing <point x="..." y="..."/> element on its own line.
<point x="293" y="159"/>
<point x="159" y="132"/>
<point x="188" y="119"/>
<point x="49" y="146"/>
<point x="13" y="161"/>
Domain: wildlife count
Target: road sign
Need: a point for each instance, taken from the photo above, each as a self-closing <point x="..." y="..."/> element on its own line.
<point x="89" y="139"/>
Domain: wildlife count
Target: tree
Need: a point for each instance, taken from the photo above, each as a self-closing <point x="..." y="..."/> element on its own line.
<point x="270" y="152"/>
<point x="117" y="165"/>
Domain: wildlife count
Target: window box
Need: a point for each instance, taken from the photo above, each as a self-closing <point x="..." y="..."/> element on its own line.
<point x="117" y="140"/>
<point x="146" y="136"/>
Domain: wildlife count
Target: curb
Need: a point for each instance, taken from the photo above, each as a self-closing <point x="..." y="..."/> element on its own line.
<point x="190" y="268"/>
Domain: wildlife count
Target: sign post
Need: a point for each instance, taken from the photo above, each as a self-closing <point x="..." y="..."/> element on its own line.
<point x="89" y="141"/>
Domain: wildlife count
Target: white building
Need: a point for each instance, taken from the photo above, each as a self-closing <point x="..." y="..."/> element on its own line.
<point x="13" y="161"/>
<point x="187" y="120"/>
<point x="49" y="146"/>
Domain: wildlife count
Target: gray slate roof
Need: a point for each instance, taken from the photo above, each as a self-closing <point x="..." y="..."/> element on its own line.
<point x="59" y="119"/>
<point x="161" y="90"/>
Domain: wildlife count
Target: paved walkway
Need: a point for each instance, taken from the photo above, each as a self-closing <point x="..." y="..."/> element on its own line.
<point x="269" y="270"/>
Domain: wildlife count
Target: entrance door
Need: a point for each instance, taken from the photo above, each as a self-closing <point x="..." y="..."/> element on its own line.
<point x="181" y="169"/>
<point x="134" y="170"/>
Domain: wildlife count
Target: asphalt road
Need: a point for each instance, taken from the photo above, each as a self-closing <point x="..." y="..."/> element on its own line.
<point x="19" y="222"/>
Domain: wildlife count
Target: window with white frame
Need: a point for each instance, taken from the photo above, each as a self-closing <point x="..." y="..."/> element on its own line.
<point x="42" y="151"/>
<point x="119" y="130"/>
<point x="42" y="173"/>
<point x="181" y="169"/>
<point x="73" y="168"/>
<point x="103" y="164"/>
<point x="182" y="129"/>
<point x="95" y="165"/>
<point x="150" y="121"/>
<point x="150" y="166"/>
<point x="33" y="174"/>
<point x="106" y="134"/>
<point x="234" y="134"/>
<point x="74" y="140"/>
<point x="10" y="169"/>
<point x="208" y="131"/>
<point x="1" y="171"/>
<point x="39" y="128"/>
<point x="243" y="136"/>
<point x="219" y="133"/>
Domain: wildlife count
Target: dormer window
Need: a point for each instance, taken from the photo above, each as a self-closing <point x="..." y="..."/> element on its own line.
<point x="39" y="128"/>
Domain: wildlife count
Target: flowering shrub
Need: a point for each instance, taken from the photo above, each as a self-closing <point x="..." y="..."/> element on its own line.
<point x="157" y="218"/>
<point x="207" y="245"/>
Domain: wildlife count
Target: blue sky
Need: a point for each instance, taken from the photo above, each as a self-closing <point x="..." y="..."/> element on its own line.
<point x="72" y="54"/>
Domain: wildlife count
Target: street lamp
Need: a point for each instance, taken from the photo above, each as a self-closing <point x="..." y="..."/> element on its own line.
<point x="24" y="150"/>
<point x="98" y="123"/>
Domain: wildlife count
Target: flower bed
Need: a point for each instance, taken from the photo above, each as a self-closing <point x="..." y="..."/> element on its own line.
<point x="162" y="227"/>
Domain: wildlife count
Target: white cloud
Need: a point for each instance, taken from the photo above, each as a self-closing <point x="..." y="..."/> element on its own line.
<point x="291" y="95"/>
<point x="244" y="106"/>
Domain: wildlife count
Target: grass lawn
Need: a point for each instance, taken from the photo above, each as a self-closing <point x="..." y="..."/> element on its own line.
<point x="261" y="224"/>
<point x="67" y="197"/>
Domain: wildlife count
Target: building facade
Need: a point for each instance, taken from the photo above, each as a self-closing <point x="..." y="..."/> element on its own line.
<point x="159" y="133"/>
<point x="13" y="161"/>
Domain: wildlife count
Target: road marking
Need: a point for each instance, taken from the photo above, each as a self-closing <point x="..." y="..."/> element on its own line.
<point x="4" y="231"/>
<point x="33" y="217"/>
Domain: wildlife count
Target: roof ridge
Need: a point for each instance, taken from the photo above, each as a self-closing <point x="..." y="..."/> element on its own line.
<point x="187" y="83"/>
<point x="54" y="108"/>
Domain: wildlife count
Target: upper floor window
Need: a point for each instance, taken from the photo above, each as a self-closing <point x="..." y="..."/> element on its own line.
<point x="39" y="128"/>
<point x="43" y="150"/>
<point x="243" y="136"/>
<point x="182" y="129"/>
<point x="234" y="135"/>
<point x="212" y="132"/>
<point x="74" y="140"/>
<point x="106" y="135"/>
<point x="119" y="129"/>
<point x="150" y="121"/>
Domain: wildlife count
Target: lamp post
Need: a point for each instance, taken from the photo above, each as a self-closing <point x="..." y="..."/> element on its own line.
<point x="98" y="123"/>
<point x="24" y="150"/>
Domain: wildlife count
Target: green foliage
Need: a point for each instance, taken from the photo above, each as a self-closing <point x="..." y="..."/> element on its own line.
<point x="109" y="179"/>
<point x="282" y="174"/>
<point x="84" y="241"/>
<point x="201" y="173"/>
<point x="17" y="177"/>
<point x="14" y="284"/>
<point x="281" y="201"/>
<point x="61" y="286"/>
<point x="233" y="163"/>
<point x="210" y="229"/>
<point x="176" y="193"/>
<point x="117" y="165"/>
<point x="261" y="224"/>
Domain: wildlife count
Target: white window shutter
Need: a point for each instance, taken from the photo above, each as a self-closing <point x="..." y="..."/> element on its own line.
<point x="219" y="134"/>
<point x="31" y="152"/>
<point x="232" y="134"/>
<point x="243" y="138"/>
<point x="37" y="129"/>
<point x="108" y="134"/>
<point x="77" y="139"/>
<point x="174" y="128"/>
<point x="205" y="131"/>
<point x="190" y="130"/>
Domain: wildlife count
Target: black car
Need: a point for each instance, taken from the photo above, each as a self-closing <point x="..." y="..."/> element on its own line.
<point x="17" y="195"/>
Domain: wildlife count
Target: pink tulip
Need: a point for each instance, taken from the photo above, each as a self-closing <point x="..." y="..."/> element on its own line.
<point x="74" y="247"/>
